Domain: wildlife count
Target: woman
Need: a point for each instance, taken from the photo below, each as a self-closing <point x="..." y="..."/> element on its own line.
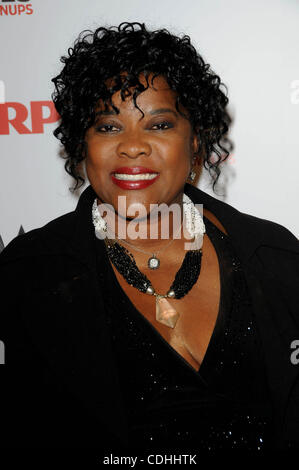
<point x="122" y="342"/>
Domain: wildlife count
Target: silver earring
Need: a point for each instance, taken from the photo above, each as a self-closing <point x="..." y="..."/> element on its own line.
<point x="192" y="175"/>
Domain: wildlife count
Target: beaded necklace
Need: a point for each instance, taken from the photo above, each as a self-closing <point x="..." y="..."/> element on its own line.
<point x="185" y="277"/>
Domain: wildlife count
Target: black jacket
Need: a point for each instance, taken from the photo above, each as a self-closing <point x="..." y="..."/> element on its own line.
<point x="59" y="383"/>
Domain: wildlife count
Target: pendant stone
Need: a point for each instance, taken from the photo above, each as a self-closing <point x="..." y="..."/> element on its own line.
<point x="165" y="313"/>
<point x="153" y="262"/>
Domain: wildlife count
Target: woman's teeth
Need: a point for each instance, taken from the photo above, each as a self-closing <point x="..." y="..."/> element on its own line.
<point x="141" y="176"/>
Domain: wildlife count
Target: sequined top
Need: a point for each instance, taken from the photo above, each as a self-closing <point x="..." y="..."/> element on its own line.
<point x="170" y="405"/>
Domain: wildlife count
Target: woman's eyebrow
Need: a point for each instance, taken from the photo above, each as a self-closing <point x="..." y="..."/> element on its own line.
<point x="163" y="110"/>
<point x="152" y="112"/>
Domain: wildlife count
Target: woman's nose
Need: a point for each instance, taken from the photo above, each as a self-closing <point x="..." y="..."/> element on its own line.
<point x="133" y="147"/>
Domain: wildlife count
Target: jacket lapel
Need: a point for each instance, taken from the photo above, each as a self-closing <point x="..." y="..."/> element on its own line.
<point x="272" y="278"/>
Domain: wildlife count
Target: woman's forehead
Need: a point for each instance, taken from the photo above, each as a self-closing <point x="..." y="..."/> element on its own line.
<point x="157" y="94"/>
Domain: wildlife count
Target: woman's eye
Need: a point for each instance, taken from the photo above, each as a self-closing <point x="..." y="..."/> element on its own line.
<point x="163" y="125"/>
<point x="106" y="128"/>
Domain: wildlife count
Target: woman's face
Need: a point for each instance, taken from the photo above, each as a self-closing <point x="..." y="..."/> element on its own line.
<point x="161" y="144"/>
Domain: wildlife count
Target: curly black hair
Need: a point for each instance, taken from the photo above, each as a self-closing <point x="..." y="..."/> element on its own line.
<point x="131" y="48"/>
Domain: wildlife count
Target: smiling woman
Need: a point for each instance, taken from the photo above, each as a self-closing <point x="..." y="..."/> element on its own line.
<point x="151" y="140"/>
<point x="177" y="340"/>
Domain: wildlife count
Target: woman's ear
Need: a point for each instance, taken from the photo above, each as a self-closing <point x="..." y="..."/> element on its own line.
<point x="196" y="143"/>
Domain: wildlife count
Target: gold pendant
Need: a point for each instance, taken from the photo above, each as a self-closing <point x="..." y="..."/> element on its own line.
<point x="165" y="313"/>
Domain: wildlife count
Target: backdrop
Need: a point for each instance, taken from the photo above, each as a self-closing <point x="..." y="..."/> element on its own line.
<point x="252" y="46"/>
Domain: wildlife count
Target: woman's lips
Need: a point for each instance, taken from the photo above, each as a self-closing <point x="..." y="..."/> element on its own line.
<point x="133" y="184"/>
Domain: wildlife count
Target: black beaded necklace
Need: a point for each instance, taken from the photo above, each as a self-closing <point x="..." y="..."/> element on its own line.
<point x="185" y="279"/>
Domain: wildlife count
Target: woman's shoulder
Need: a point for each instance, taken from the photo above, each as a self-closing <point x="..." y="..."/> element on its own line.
<point x="241" y="225"/>
<point x="270" y="229"/>
<point x="39" y="240"/>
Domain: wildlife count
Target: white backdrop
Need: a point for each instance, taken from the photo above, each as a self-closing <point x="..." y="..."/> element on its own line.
<point x="254" y="48"/>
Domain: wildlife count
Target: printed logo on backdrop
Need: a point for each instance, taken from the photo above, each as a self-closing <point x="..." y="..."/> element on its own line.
<point x="15" y="7"/>
<point x="14" y="114"/>
<point x="2" y="353"/>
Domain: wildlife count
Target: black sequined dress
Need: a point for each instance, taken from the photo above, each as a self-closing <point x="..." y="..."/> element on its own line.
<point x="170" y="405"/>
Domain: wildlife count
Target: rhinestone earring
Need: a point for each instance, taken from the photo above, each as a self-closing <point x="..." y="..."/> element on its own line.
<point x="192" y="175"/>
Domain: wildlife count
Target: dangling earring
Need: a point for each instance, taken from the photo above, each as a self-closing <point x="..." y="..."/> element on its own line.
<point x="192" y="173"/>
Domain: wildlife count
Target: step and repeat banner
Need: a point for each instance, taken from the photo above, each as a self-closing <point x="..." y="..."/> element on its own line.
<point x="254" y="48"/>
